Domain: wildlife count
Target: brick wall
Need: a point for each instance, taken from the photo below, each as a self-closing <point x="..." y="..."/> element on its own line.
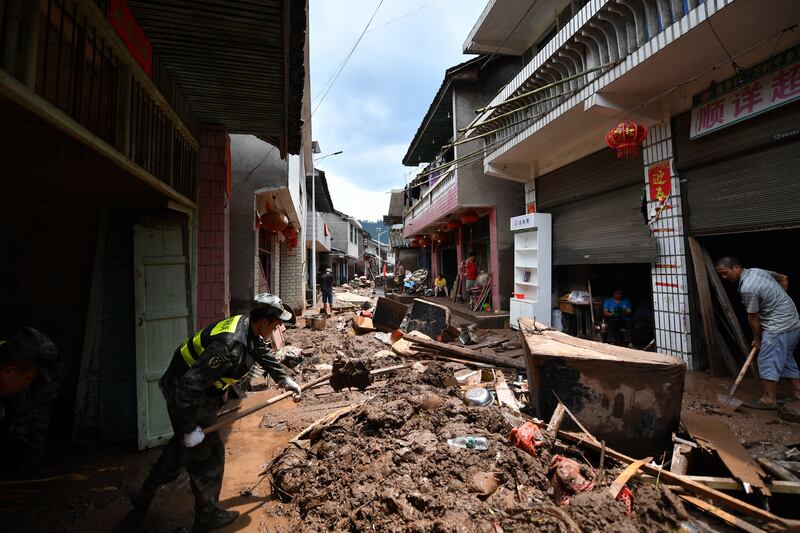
<point x="212" y="237"/>
<point x="669" y="272"/>
<point x="292" y="280"/>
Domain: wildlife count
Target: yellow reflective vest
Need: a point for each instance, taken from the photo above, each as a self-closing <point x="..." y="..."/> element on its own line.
<point x="229" y="331"/>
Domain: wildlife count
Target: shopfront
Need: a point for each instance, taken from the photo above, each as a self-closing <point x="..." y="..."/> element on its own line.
<point x="740" y="187"/>
<point x="600" y="235"/>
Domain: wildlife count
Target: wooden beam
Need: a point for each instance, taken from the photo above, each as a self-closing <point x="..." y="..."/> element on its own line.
<point x="715" y="511"/>
<point x="706" y="310"/>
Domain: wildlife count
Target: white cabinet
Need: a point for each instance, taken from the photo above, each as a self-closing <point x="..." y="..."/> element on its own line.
<point x="532" y="268"/>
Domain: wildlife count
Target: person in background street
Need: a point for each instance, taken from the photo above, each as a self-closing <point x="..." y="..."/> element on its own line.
<point x="201" y="370"/>
<point x="399" y="274"/>
<point x="327" y="291"/>
<point x="440" y="285"/>
<point x="471" y="270"/>
<point x="773" y="319"/>
<point x="618" y="313"/>
<point x="30" y="378"/>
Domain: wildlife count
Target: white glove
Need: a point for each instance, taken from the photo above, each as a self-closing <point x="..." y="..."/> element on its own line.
<point x="289" y="384"/>
<point x="190" y="440"/>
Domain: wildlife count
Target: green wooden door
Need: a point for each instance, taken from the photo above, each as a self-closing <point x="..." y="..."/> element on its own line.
<point x="162" y="316"/>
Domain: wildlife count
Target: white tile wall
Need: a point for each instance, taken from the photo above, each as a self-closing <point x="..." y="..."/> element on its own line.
<point x="669" y="273"/>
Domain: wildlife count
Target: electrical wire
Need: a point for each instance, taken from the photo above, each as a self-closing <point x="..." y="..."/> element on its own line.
<point x="420" y="8"/>
<point x="346" y="59"/>
<point x="522" y="18"/>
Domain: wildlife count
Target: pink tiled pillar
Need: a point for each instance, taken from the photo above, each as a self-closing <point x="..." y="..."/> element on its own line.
<point x="494" y="258"/>
<point x="213" y="288"/>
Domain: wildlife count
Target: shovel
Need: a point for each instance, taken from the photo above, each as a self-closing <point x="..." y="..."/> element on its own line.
<point x="729" y="403"/>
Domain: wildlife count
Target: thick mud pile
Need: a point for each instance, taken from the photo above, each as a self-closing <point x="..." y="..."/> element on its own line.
<point x="387" y="467"/>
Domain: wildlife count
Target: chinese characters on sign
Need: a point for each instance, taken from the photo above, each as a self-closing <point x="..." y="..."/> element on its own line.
<point x="523" y="222"/>
<point x="747" y="94"/>
<point x="659" y="178"/>
<point x="123" y="21"/>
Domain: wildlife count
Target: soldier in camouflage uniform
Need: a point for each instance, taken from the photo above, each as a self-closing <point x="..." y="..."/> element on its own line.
<point x="30" y="378"/>
<point x="202" y="368"/>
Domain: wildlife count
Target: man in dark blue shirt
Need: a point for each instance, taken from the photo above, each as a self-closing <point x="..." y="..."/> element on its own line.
<point x="618" y="312"/>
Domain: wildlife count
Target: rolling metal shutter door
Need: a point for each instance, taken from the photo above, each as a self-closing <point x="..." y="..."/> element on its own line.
<point x="607" y="228"/>
<point x="748" y="193"/>
<point x="596" y="206"/>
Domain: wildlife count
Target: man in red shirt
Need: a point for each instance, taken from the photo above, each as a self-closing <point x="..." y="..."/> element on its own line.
<point x="470" y="272"/>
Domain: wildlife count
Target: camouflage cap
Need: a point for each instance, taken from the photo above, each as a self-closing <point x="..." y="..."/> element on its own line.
<point x="273" y="302"/>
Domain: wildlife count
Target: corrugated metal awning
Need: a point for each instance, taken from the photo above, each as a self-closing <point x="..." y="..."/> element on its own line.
<point x="238" y="62"/>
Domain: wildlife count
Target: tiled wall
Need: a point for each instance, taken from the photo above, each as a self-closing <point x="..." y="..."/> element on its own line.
<point x="212" y="237"/>
<point x="292" y="279"/>
<point x="669" y="273"/>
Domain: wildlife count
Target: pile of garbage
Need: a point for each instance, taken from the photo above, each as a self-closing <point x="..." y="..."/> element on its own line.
<point x="417" y="457"/>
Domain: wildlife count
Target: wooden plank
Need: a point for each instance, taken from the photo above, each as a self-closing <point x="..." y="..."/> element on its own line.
<point x="725" y="516"/>
<point x="730" y="484"/>
<point x="706" y="309"/>
<point x="725" y="304"/>
<point x="504" y="394"/>
<point x="464" y="353"/>
<point x="717" y="435"/>
<point x="625" y="475"/>
<point x="555" y="421"/>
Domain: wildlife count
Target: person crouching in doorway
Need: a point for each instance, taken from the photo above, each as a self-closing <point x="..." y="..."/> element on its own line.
<point x="440" y="285"/>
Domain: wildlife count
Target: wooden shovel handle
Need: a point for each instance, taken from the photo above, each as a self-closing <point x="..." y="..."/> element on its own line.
<point x="743" y="371"/>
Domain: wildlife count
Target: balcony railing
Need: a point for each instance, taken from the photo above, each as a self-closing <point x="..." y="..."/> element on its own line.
<point x="430" y="195"/>
<point x="603" y="34"/>
<point x="81" y="67"/>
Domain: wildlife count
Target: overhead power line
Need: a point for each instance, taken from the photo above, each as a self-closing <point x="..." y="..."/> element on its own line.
<point x="346" y="59"/>
<point x="401" y="17"/>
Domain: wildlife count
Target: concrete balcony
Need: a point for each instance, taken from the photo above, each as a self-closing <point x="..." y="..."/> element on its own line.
<point x="323" y="242"/>
<point x="615" y="59"/>
<point x="436" y="201"/>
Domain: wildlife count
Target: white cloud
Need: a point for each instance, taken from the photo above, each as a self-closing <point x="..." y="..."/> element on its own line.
<point x="380" y="98"/>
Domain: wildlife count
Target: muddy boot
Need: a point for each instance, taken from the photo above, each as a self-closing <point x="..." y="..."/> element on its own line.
<point x="213" y="519"/>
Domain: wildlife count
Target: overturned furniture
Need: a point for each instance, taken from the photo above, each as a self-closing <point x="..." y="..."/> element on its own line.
<point x="628" y="398"/>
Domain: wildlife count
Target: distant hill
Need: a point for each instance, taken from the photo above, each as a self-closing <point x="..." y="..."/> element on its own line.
<point x="373" y="227"/>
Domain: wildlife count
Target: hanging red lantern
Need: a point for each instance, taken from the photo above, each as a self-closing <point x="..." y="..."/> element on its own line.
<point x="424" y="241"/>
<point x="453" y="224"/>
<point x="626" y="137"/>
<point x="274" y="221"/>
<point x="469" y="217"/>
<point x="438" y="236"/>
<point x="414" y="244"/>
<point x="290" y="233"/>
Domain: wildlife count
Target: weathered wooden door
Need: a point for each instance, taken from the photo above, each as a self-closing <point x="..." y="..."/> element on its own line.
<point x="162" y="316"/>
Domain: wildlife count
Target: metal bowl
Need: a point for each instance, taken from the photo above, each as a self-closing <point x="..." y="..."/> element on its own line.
<point x="478" y="396"/>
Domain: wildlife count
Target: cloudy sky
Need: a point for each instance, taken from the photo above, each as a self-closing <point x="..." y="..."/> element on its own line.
<point x="381" y="96"/>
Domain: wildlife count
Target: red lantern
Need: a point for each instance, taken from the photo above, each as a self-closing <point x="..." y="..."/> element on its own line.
<point x="626" y="137"/>
<point x="290" y="233"/>
<point x="414" y="244"/>
<point x="438" y="236"/>
<point x="453" y="224"/>
<point x="274" y="222"/>
<point x="470" y="217"/>
<point x="424" y="241"/>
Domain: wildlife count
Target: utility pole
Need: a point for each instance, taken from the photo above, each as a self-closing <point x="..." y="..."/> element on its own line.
<point x="315" y="150"/>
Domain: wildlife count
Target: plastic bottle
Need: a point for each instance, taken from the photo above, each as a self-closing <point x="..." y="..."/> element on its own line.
<point x="472" y="443"/>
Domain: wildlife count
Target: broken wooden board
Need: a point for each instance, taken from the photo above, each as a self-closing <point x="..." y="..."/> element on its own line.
<point x="626" y="474"/>
<point x="389" y="314"/>
<point x="716" y="435"/>
<point x="630" y="399"/>
<point x="504" y="395"/>
<point x="706" y="307"/>
<point x="363" y="324"/>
